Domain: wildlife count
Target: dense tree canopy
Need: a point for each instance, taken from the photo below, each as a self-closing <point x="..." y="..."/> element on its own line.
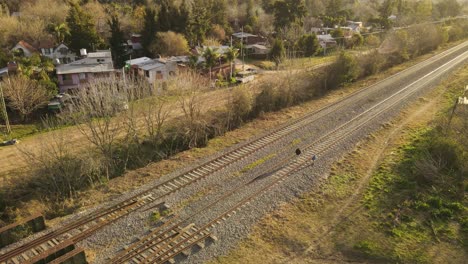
<point x="288" y="12"/>
<point x="82" y="29"/>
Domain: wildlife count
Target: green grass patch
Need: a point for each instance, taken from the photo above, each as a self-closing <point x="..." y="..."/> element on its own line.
<point x="296" y="141"/>
<point x="257" y="163"/>
<point x="20" y="131"/>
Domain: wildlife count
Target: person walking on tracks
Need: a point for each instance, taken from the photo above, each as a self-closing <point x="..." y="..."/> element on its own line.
<point x="314" y="158"/>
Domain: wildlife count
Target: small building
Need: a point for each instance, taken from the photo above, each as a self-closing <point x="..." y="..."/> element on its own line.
<point x="250" y="39"/>
<point x="355" y="26"/>
<point x="24" y="49"/>
<point x="326" y="41"/>
<point x="153" y="69"/>
<point x="59" y="55"/>
<point x="257" y="50"/>
<point x="133" y="46"/>
<point x="94" y="65"/>
<point x="221" y="50"/>
<point x="157" y="70"/>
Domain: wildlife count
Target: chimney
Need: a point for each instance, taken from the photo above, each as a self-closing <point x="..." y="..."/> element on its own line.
<point x="83" y="52"/>
<point x="12" y="66"/>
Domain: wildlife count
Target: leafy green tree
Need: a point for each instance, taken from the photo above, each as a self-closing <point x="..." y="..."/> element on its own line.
<point x="345" y="69"/>
<point x="82" y="29"/>
<point x="182" y="22"/>
<point x="309" y="44"/>
<point x="168" y="16"/>
<point x="335" y="14"/>
<point x="386" y="10"/>
<point x="218" y="12"/>
<point x="423" y="10"/>
<point x="288" y="12"/>
<point x="333" y="7"/>
<point x="448" y="8"/>
<point x="252" y="17"/>
<point x="231" y="56"/>
<point x="338" y="34"/>
<point x="193" y="61"/>
<point x="116" y="41"/>
<point x="199" y="23"/>
<point x="60" y="32"/>
<point x="148" y="34"/>
<point x="355" y="41"/>
<point x="211" y="58"/>
<point x="278" y="52"/>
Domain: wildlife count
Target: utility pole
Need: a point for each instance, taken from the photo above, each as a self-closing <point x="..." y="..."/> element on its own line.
<point x="4" y="111"/>
<point x="242" y="49"/>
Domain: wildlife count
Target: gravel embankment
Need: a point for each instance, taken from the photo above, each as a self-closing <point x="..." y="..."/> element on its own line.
<point x="238" y="226"/>
<point x="109" y="240"/>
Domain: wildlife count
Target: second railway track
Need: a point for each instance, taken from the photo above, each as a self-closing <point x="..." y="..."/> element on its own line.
<point x="86" y="226"/>
<point x="153" y="249"/>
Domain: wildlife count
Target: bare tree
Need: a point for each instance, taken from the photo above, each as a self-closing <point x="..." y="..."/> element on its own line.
<point x="155" y="115"/>
<point x="189" y="100"/>
<point x="24" y="95"/>
<point x="96" y="115"/>
<point x="58" y="171"/>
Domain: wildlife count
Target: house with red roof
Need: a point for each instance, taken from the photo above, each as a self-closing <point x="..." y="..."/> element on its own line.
<point x="24" y="48"/>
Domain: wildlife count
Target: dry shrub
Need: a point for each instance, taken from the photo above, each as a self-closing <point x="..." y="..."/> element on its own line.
<point x="8" y="29"/>
<point x="188" y="81"/>
<point x="58" y="172"/>
<point x="425" y="38"/>
<point x="239" y="106"/>
<point x="170" y="44"/>
<point x="24" y="95"/>
<point x="371" y="63"/>
<point x="372" y="41"/>
<point x="217" y="32"/>
<point x="49" y="11"/>
<point x="211" y="42"/>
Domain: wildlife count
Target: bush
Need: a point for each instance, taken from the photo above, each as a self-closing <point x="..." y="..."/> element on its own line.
<point x="344" y="70"/>
<point x="371" y="63"/>
<point x="265" y="101"/>
<point x="266" y="65"/>
<point x="240" y="107"/>
<point x="309" y="44"/>
<point x="372" y="41"/>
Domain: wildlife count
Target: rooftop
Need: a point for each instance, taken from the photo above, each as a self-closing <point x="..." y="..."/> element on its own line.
<point x="257" y="46"/>
<point x="100" y="54"/>
<point x="3" y="70"/>
<point x="84" y="68"/>
<point x="26" y="45"/>
<point x="152" y="65"/>
<point x="243" y="35"/>
<point x="138" y="61"/>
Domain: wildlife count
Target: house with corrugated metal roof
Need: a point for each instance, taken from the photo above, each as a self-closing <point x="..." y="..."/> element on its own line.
<point x="153" y="69"/>
<point x="93" y="65"/>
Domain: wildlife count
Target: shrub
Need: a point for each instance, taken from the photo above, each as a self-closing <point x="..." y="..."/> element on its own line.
<point x="309" y="44"/>
<point x="367" y="247"/>
<point x="344" y="70"/>
<point x="265" y="101"/>
<point x="371" y="64"/>
<point x="372" y="41"/>
<point x="239" y="107"/>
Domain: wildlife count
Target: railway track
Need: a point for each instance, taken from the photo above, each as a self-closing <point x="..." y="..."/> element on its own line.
<point x="86" y="226"/>
<point x="151" y="249"/>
